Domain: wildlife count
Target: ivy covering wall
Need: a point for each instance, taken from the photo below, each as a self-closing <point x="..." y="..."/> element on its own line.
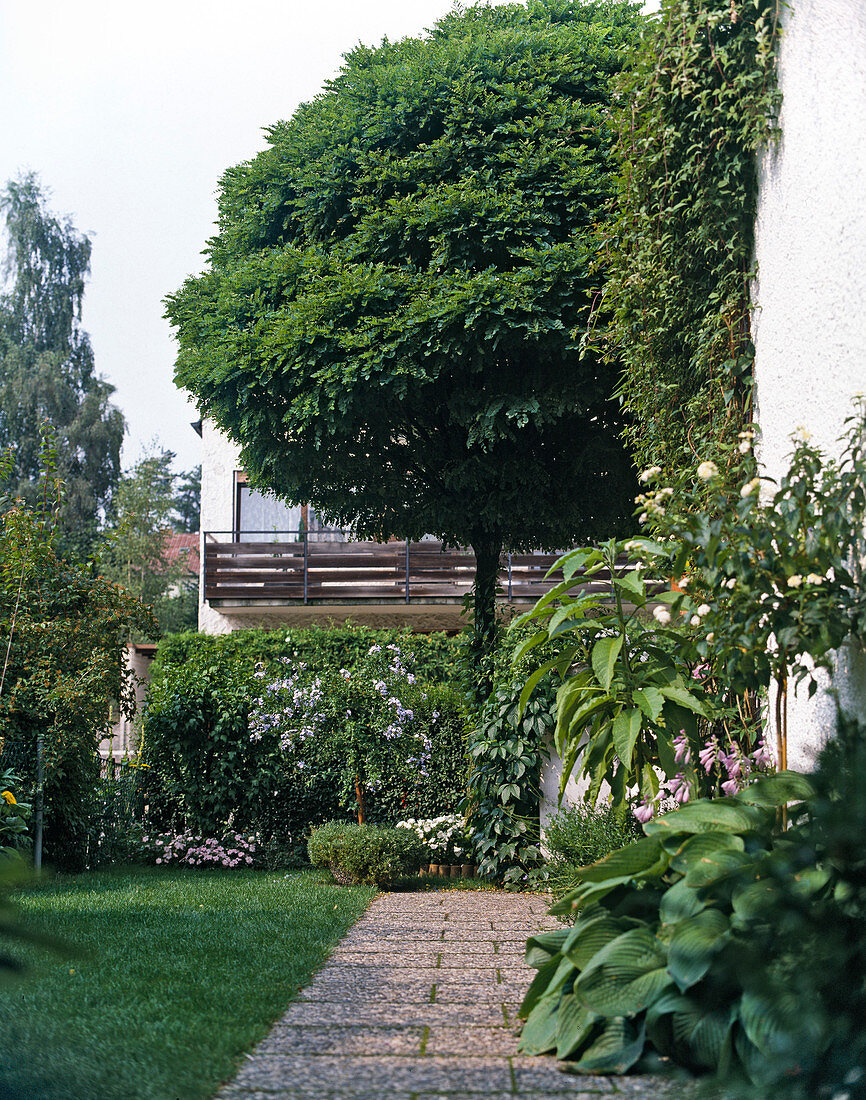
<point x="693" y="113"/>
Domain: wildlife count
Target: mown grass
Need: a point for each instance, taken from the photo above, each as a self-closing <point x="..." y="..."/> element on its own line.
<point x="173" y="975"/>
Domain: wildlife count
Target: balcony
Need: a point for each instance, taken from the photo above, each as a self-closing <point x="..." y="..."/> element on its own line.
<point x="292" y="568"/>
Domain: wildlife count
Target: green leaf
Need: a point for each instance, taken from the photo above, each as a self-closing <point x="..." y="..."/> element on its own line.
<point x="752" y="900"/>
<point x="777" y="790"/>
<point x="781" y="1024"/>
<point x="694" y="944"/>
<point x="532" y="683"/>
<point x="626" y="729"/>
<point x="679" y="902"/>
<point x="540" y="949"/>
<point x="704" y="1034"/>
<point x="631" y="585"/>
<point x="539" y="1031"/>
<point x="574" y="1025"/>
<point x="625" y="976"/>
<point x="706" y="816"/>
<point x="650" y="700"/>
<point x="634" y="859"/>
<point x="617" y="1047"/>
<point x="684" y="699"/>
<point x="588" y="937"/>
<point x="701" y="845"/>
<point x="604" y="655"/>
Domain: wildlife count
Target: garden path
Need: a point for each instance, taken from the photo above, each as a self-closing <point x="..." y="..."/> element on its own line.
<point x="419" y="1002"/>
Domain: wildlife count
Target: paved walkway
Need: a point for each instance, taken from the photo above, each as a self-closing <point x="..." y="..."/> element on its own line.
<point x="419" y="1002"/>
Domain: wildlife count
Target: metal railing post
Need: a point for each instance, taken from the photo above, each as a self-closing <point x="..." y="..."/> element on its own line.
<point x="509" y="576"/>
<point x="407" y="570"/>
<point x="306" y="562"/>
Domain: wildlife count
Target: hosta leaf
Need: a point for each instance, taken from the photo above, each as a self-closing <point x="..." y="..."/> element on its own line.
<point x="684" y="699"/>
<point x="694" y="944"/>
<point x="782" y="1023"/>
<point x="542" y="983"/>
<point x="574" y="1025"/>
<point x="636" y="857"/>
<point x="539" y="1031"/>
<point x="776" y="790"/>
<point x="706" y="816"/>
<point x="625" y="976"/>
<point x="679" y="902"/>
<point x="617" y="1046"/>
<point x="703" y="1034"/>
<point x="626" y="728"/>
<point x="716" y="866"/>
<point x="586" y="894"/>
<point x="604" y="655"/>
<point x="589" y="937"/>
<point x="540" y="949"/>
<point x="701" y="844"/>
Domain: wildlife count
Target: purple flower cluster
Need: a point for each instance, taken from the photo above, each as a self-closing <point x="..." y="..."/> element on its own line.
<point x="733" y="769"/>
<point x="233" y="850"/>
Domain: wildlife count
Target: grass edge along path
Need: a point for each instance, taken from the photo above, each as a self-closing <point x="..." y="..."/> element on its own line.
<point x="175" y="975"/>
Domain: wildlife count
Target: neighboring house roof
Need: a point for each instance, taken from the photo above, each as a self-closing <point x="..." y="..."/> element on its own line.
<point x="184" y="547"/>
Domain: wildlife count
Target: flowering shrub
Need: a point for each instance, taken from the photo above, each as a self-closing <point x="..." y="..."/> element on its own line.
<point x="232" y="850"/>
<point x="445" y="838"/>
<point x="365" y="712"/>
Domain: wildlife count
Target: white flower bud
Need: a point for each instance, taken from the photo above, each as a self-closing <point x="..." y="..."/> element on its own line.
<point x="662" y="616"/>
<point x="707" y="471"/>
<point x="695" y="620"/>
<point x="795" y="581"/>
<point x="704" y="609"/>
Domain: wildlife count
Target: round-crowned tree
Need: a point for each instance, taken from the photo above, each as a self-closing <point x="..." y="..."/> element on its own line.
<point x="390" y="320"/>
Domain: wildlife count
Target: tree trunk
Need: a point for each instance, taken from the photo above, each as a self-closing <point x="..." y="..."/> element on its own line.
<point x="484" y="630"/>
<point x="359" y="794"/>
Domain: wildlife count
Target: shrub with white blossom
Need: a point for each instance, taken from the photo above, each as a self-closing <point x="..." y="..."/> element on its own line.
<point x="445" y="838"/>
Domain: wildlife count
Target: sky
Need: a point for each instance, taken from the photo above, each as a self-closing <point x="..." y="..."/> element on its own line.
<point x="129" y="114"/>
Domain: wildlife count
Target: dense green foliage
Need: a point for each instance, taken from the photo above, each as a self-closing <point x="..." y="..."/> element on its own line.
<point x="134" y="552"/>
<point x="388" y="322"/>
<point x="365" y="853"/>
<point x="664" y="947"/>
<point x="678" y="254"/>
<point x="61" y="628"/>
<point x="161" y="959"/>
<point x="213" y="733"/>
<point x="46" y="366"/>
<point x="581" y="834"/>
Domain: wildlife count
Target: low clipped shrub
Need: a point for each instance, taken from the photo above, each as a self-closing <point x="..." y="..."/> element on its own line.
<point x="365" y="853"/>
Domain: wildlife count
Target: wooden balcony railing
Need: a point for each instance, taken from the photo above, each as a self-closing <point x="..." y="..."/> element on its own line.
<point x="292" y="568"/>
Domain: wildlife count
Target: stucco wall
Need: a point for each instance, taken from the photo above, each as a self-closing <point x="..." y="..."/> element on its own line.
<point x="219" y="461"/>
<point x="810" y="322"/>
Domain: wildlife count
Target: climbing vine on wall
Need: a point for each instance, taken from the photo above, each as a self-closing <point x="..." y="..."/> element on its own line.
<point x="693" y="113"/>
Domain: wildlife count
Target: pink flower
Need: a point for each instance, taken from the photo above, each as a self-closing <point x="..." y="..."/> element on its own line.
<point x="733" y="764"/>
<point x="679" y="788"/>
<point x="731" y="787"/>
<point x="763" y="756"/>
<point x="683" y="753"/>
<point x="709" y="754"/>
<point x="644" y="812"/>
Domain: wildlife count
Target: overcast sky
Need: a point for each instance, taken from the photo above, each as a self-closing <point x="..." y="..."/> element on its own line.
<point x="130" y="113"/>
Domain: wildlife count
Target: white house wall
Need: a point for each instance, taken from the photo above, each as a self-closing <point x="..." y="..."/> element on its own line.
<point x="219" y="461"/>
<point x="810" y="319"/>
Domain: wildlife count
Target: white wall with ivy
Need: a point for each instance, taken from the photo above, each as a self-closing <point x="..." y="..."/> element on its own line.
<point x="809" y="301"/>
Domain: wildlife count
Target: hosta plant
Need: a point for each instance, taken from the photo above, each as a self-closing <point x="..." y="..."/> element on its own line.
<point x="661" y="950"/>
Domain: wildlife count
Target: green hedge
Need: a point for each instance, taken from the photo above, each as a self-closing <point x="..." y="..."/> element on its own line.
<point x="205" y="773"/>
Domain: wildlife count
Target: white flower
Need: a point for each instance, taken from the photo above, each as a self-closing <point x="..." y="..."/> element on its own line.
<point x="650" y="473"/>
<point x="744" y="446"/>
<point x="685" y="582"/>
<point x="707" y="471"/>
<point x="795" y="581"/>
<point x="750" y="488"/>
<point x="662" y="616"/>
<point x="802" y="434"/>
<point x="642" y="518"/>
<point x="813" y="578"/>
<point x="704" y="609"/>
<point x="695" y="620"/>
<point x="711" y="637"/>
<point x="731" y="582"/>
<point x="830" y="574"/>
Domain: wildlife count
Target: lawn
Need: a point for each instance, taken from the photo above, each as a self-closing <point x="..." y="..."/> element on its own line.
<point x="175" y="973"/>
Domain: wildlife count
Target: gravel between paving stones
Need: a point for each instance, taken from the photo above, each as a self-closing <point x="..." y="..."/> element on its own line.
<point x="419" y="1002"/>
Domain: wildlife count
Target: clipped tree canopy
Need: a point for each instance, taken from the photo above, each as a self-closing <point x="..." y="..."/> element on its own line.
<point x="389" y="322"/>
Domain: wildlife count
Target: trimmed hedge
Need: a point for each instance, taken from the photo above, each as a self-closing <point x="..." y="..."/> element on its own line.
<point x="365" y="853"/>
<point x="206" y="774"/>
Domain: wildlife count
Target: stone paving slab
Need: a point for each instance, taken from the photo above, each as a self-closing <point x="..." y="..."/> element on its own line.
<point x="419" y="1002"/>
